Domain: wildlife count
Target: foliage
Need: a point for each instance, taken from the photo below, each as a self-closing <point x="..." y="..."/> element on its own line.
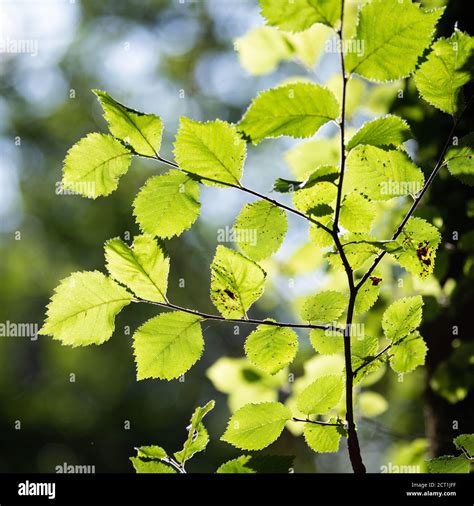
<point x="343" y="204"/>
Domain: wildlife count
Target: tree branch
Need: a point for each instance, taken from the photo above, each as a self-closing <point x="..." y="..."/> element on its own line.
<point x="317" y="422"/>
<point x="246" y="190"/>
<point x="352" y="438"/>
<point x="251" y="321"/>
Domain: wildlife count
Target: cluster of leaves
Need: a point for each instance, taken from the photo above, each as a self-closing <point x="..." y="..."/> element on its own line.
<point x="459" y="464"/>
<point x="341" y="208"/>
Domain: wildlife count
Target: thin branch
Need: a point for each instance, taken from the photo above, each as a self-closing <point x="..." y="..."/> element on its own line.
<point x="247" y="190"/>
<point x="375" y="357"/>
<point x="250" y="321"/>
<point x="317" y="422"/>
<point x="440" y="163"/>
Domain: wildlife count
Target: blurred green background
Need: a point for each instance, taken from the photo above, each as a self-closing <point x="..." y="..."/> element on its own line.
<point x="84" y="406"/>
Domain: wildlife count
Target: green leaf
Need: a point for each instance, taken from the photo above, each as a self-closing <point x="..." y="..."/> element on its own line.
<point x="321" y="396"/>
<point x="320" y="237"/>
<point x="213" y="151"/>
<point x="252" y="464"/>
<point x="363" y="350"/>
<point x="402" y="317"/>
<point x="93" y="165"/>
<point x="152" y="466"/>
<point x="323" y="438"/>
<point x="326" y="343"/>
<point x="83" y="309"/>
<point x="260" y="229"/>
<point x="271" y="348"/>
<point x="306" y="156"/>
<point x="408" y="353"/>
<point x="143" y="132"/>
<point x="263" y="48"/>
<point x="460" y="160"/>
<point x="168" y="204"/>
<point x="297" y="110"/>
<point x="198" y="437"/>
<point x="255" y="426"/>
<point x="168" y="345"/>
<point x="357" y="213"/>
<point x="317" y="189"/>
<point x="419" y="241"/>
<point x="465" y="442"/>
<point x="382" y="175"/>
<point x="151" y="452"/>
<point x="298" y="15"/>
<point x="392" y="35"/>
<point x="236" y="282"/>
<point x="143" y="268"/>
<point x="449" y="464"/>
<point x="367" y="295"/>
<point x="446" y="70"/>
<point x="389" y="131"/>
<point x="324" y="307"/>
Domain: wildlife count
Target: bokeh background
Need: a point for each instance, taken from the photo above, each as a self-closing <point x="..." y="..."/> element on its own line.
<point x="177" y="58"/>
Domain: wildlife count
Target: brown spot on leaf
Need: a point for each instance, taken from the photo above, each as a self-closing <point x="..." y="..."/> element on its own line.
<point x="375" y="280"/>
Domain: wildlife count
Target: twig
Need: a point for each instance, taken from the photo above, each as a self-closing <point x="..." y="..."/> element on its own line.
<point x="318" y="422"/>
<point x="250" y="321"/>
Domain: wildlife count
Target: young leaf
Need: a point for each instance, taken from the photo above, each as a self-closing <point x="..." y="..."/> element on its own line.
<point x="372" y="404"/>
<point x="260" y="229"/>
<point x="252" y="464"/>
<point x="299" y="15"/>
<point x="393" y="35"/>
<point x="315" y="197"/>
<point x="367" y="295"/>
<point x="450" y="465"/>
<point x="83" y="309"/>
<point x="93" y="165"/>
<point x="402" y="317"/>
<point x="297" y="110"/>
<point x="382" y="175"/>
<point x="151" y="466"/>
<point x="323" y="438"/>
<point x="255" y="426"/>
<point x="419" y="241"/>
<point x="465" y="442"/>
<point x="236" y="282"/>
<point x="143" y="268"/>
<point x="446" y="70"/>
<point x="460" y="160"/>
<point x="168" y="345"/>
<point x="324" y="307"/>
<point x="389" y="131"/>
<point x="141" y="131"/>
<point x="326" y="343"/>
<point x="151" y="452"/>
<point x="271" y="348"/>
<point x="408" y="353"/>
<point x="321" y="395"/>
<point x="213" y="151"/>
<point x="323" y="174"/>
<point x="168" y="204"/>
<point x="320" y="237"/>
<point x="357" y="213"/>
<point x="198" y="436"/>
